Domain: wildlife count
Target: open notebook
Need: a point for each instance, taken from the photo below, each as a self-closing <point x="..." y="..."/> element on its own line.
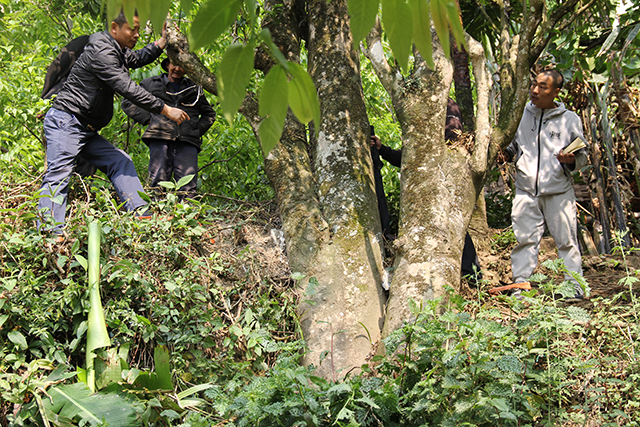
<point x="576" y="145"/>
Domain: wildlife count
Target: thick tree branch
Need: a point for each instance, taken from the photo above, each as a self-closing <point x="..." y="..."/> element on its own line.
<point x="178" y="50"/>
<point x="390" y="78"/>
<point x="483" y="125"/>
<point x="546" y="30"/>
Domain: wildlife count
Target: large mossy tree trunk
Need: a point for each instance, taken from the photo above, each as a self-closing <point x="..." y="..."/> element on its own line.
<point x="342" y="318"/>
<point x="439" y="181"/>
<point x="324" y="185"/>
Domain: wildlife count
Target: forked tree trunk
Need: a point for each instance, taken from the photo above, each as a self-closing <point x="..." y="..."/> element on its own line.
<point x="439" y="183"/>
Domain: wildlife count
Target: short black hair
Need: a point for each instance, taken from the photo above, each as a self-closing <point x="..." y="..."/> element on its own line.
<point x="556" y="76"/>
<point x="121" y="19"/>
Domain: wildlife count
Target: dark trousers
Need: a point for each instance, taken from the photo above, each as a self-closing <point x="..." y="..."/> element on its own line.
<point x="173" y="158"/>
<point x="66" y="138"/>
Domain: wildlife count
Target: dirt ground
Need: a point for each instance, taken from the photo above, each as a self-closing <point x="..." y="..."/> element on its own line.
<point x="258" y="244"/>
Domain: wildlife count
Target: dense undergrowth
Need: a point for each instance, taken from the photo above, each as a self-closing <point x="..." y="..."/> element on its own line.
<point x="227" y="317"/>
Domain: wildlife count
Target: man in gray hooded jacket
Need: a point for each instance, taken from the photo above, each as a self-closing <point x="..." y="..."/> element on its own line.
<point x="544" y="192"/>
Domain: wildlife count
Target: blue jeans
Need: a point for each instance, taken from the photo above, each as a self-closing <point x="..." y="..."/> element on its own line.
<point x="66" y="138"/>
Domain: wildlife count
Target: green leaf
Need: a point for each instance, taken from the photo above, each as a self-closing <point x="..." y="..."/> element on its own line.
<point x="113" y="9"/>
<point x="185" y="180"/>
<point x="129" y="8"/>
<point x="212" y="19"/>
<point x="234" y="74"/>
<point x="303" y="98"/>
<point x="273" y="105"/>
<point x="274" y="94"/>
<point x="167" y="184"/>
<point x="362" y="15"/>
<point x="250" y="6"/>
<point x="170" y="413"/>
<point x="609" y="41"/>
<point x="18" y="339"/>
<point x="399" y="25"/>
<point x="455" y="22"/>
<point x="62" y="261"/>
<point x="81" y="260"/>
<point x="440" y="21"/>
<point x="158" y="13"/>
<point x="270" y="132"/>
<point x="265" y="36"/>
<point x="144" y="12"/>
<point x="422" y="29"/>
<point x="193" y="390"/>
<point x="75" y="401"/>
<point x="108" y="367"/>
<point x="163" y="368"/>
<point x="186" y="6"/>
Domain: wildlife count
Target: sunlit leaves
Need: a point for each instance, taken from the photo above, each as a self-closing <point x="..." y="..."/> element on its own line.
<point x="144" y="13"/>
<point x="273" y="106"/>
<point x="186" y="6"/>
<point x="440" y="22"/>
<point x="158" y="13"/>
<point x="407" y="23"/>
<point x="422" y="29"/>
<point x="362" y="15"/>
<point x="250" y="7"/>
<point x="303" y="98"/>
<point x="234" y="75"/>
<point x="113" y="8"/>
<point x="265" y="36"/>
<point x="398" y="23"/>
<point x="212" y="19"/>
<point x="154" y="10"/>
<point x="279" y="90"/>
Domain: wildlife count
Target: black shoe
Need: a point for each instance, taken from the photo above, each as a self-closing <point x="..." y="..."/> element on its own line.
<point x="574" y="299"/>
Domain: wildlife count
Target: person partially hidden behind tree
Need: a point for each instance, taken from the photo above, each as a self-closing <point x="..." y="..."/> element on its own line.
<point x="453" y="129"/>
<point x="173" y="148"/>
<point x="85" y="105"/>
<point x="544" y="192"/>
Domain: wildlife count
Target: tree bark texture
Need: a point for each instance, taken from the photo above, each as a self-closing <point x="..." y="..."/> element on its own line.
<point x="343" y="317"/>
<point x="439" y="183"/>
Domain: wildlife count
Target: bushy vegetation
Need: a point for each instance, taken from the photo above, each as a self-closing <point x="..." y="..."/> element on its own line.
<point x="230" y="330"/>
<point x="202" y="333"/>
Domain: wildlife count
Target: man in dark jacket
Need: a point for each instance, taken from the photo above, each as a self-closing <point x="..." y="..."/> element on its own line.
<point x="173" y="148"/>
<point x="453" y="128"/>
<point x="85" y="105"/>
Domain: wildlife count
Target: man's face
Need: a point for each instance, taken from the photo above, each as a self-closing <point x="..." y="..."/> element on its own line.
<point x="125" y="35"/>
<point x="175" y="72"/>
<point x="543" y="92"/>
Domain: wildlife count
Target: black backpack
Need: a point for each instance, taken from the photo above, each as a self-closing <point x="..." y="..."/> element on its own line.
<point x="57" y="74"/>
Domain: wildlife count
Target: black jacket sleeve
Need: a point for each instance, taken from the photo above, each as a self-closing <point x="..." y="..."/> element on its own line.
<point x="390" y="155"/>
<point x="207" y="115"/>
<point x="136" y="113"/>
<point x="108" y="69"/>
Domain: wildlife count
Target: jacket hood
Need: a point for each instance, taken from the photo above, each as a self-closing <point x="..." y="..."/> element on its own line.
<point x="549" y="112"/>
